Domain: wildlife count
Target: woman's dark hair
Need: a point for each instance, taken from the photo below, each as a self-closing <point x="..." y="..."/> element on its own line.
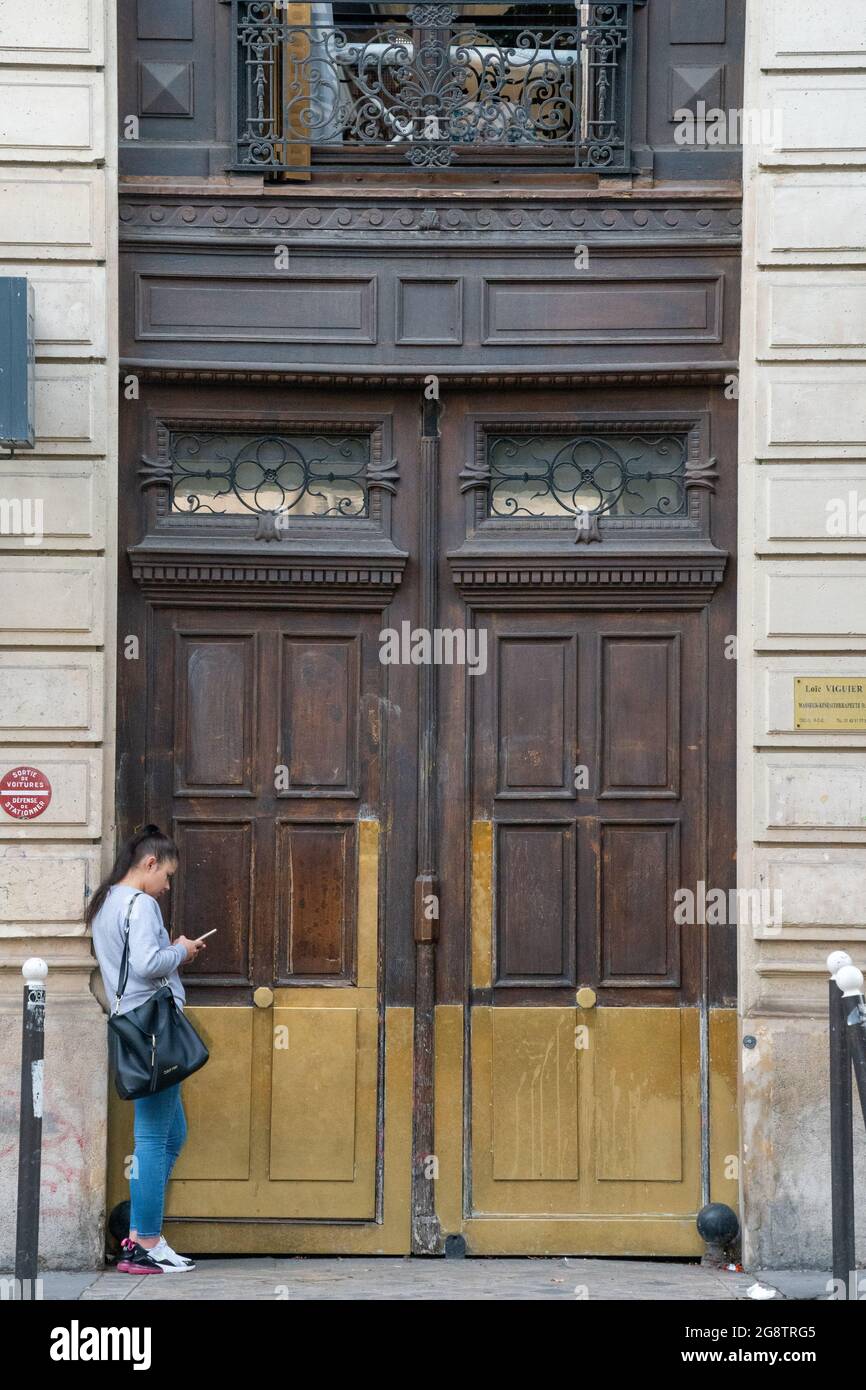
<point x="149" y="840"/>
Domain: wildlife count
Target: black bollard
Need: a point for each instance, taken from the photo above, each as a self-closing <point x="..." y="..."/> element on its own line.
<point x="857" y="1045"/>
<point x="30" y="1130"/>
<point x="841" y="1143"/>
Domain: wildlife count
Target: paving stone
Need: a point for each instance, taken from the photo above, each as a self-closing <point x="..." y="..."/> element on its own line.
<point x="409" y="1279"/>
<point x="809" y="1284"/>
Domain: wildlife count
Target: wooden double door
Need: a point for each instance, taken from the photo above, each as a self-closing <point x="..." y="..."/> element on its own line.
<point x="431" y="748"/>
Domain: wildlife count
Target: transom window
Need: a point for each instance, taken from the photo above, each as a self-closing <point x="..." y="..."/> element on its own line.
<point x="623" y="475"/>
<point x="232" y="474"/>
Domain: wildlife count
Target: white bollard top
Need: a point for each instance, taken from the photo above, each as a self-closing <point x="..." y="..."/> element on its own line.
<point x="850" y="980"/>
<point x="34" y="971"/>
<point x="836" y="960"/>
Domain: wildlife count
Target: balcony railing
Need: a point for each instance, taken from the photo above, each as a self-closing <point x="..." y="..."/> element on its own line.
<point x="481" y="84"/>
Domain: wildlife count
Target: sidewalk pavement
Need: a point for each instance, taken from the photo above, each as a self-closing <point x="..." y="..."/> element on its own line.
<point x="367" y="1278"/>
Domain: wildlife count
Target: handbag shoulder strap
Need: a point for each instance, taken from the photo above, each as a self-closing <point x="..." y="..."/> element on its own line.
<point x="123" y="974"/>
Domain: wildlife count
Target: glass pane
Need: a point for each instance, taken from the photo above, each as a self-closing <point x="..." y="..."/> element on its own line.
<point x="294" y="475"/>
<point x="605" y="474"/>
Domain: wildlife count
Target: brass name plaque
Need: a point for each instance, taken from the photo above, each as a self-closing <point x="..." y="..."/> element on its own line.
<point x="830" y="703"/>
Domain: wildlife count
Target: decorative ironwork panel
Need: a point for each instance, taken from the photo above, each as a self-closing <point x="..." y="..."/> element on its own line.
<point x="275" y="474"/>
<point x="623" y="475"/>
<point x="434" y="84"/>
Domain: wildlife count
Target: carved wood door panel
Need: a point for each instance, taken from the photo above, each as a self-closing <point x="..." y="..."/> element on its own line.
<point x="262" y="721"/>
<point x="588" y="814"/>
<point x="580" y="547"/>
<point x="273" y="758"/>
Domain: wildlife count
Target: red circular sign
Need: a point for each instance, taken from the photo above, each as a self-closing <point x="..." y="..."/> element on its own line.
<point x="25" y="793"/>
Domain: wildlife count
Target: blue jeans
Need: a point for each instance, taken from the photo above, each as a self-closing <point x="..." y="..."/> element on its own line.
<point x="160" y="1132"/>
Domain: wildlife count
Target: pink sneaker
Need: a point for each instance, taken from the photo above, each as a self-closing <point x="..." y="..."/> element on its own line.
<point x="127" y="1248"/>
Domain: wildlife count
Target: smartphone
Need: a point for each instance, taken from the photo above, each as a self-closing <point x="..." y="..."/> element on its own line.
<point x="207" y="933"/>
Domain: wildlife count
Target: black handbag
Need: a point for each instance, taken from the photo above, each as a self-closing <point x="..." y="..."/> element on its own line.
<point x="153" y="1045"/>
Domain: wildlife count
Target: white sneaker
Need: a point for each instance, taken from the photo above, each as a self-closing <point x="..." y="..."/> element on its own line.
<point x="163" y="1252"/>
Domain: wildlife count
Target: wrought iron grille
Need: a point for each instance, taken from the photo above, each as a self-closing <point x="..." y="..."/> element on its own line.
<point x="632" y="475"/>
<point x="433" y="83"/>
<point x="298" y="475"/>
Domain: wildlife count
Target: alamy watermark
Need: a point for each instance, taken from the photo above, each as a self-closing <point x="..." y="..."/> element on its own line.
<point x="420" y="646"/>
<point x="83" y="1343"/>
<point x="846" y="516"/>
<point x="759" y="907"/>
<point x="23" y="516"/>
<point x="734" y="127"/>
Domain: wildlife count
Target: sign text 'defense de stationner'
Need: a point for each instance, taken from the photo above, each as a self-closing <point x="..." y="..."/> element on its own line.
<point x="830" y="703"/>
<point x="25" y="793"/>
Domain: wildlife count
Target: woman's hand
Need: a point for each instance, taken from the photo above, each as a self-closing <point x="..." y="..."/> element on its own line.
<point x="192" y="946"/>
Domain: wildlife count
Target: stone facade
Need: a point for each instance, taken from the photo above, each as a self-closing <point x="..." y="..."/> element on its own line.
<point x="802" y="600"/>
<point x="58" y="227"/>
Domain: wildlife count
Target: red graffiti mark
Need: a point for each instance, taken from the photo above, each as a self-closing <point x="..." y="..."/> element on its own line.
<point x="63" y="1144"/>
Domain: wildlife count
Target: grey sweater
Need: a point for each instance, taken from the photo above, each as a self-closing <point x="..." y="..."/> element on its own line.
<point x="151" y="954"/>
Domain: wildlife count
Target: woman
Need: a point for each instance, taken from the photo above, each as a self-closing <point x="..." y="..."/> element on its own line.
<point x="140" y="875"/>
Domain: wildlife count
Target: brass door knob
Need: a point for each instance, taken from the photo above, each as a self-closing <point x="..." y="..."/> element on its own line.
<point x="263" y="997"/>
<point x="586" y="998"/>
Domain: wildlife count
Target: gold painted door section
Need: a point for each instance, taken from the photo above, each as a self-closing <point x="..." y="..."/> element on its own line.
<point x="585" y="1031"/>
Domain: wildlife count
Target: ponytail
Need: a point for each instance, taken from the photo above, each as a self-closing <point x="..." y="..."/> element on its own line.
<point x="149" y="840"/>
